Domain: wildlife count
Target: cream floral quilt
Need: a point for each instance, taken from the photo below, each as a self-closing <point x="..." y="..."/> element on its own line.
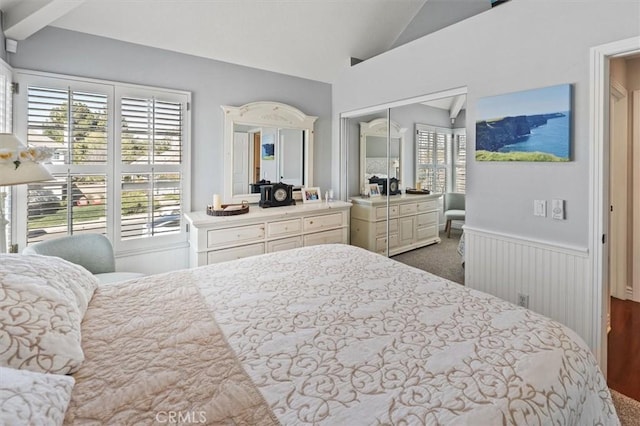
<point x="329" y="335"/>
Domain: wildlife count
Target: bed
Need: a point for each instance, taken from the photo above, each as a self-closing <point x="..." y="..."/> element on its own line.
<point x="326" y="335"/>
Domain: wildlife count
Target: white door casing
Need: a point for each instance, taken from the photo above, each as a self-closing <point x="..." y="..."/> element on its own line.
<point x="598" y="186"/>
<point x="635" y="259"/>
<point x="618" y="187"/>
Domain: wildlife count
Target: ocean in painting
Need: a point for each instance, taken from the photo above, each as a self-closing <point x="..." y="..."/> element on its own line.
<point x="550" y="138"/>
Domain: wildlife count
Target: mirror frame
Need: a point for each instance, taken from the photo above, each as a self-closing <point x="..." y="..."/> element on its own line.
<point x="378" y="127"/>
<point x="264" y="114"/>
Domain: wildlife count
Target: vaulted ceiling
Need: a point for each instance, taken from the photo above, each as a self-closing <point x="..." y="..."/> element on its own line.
<point x="312" y="39"/>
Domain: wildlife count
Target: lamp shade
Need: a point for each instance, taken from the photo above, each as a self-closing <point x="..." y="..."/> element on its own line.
<point x="19" y="164"/>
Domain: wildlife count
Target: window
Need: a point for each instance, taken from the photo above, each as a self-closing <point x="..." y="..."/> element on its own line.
<point x="119" y="160"/>
<point x="5" y="98"/>
<point x="441" y="158"/>
<point x="431" y="155"/>
<point x="151" y="156"/>
<point x="459" y="160"/>
<point x="5" y="127"/>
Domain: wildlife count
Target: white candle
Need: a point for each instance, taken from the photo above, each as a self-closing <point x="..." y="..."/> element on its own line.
<point x="217" y="204"/>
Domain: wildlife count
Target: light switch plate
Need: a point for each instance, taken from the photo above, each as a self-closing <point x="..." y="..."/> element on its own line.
<point x="540" y="208"/>
<point x="557" y="209"/>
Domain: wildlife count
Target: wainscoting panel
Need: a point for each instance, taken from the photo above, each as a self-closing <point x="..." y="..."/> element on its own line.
<point x="556" y="278"/>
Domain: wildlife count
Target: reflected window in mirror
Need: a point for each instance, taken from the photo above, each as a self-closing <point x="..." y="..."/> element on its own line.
<point x="440" y="158"/>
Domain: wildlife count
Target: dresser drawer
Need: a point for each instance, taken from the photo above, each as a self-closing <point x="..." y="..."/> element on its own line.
<point x="409" y="208"/>
<point x="238" y="235"/>
<point x="381" y="212"/>
<point x="427" y="232"/>
<point x="285" y="227"/>
<point x="381" y="243"/>
<point x="381" y="227"/>
<point x="318" y="223"/>
<point x="426" y="206"/>
<point x="284" y="244"/>
<point x="234" y="253"/>
<point x="334" y="236"/>
<point x="426" y="219"/>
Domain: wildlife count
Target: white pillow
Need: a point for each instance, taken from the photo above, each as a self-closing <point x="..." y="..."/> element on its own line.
<point x="39" y="326"/>
<point x="72" y="280"/>
<point x="29" y="398"/>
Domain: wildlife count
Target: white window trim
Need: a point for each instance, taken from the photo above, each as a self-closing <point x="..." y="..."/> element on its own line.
<point x="450" y="151"/>
<point x="455" y="163"/>
<point x="25" y="78"/>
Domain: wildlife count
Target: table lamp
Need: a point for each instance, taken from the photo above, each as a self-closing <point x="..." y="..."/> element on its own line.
<point x="18" y="164"/>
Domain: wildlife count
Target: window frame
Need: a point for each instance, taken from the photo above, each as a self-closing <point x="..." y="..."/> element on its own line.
<point x="113" y="168"/>
<point x="434" y="164"/>
<point x="451" y="154"/>
<point x="456" y="163"/>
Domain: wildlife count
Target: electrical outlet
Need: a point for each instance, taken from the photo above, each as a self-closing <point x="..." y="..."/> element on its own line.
<point x="523" y="300"/>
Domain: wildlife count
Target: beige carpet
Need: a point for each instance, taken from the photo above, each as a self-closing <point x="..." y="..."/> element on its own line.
<point x="440" y="259"/>
<point x="628" y="409"/>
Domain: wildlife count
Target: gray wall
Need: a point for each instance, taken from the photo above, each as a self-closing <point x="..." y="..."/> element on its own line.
<point x="517" y="46"/>
<point x="212" y="83"/>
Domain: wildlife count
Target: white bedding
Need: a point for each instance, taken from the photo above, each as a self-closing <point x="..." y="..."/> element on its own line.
<point x="326" y="335"/>
<point x="334" y="334"/>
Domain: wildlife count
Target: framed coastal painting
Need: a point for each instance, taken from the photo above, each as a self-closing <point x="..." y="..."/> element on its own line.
<point x="533" y="125"/>
<point x="268" y="147"/>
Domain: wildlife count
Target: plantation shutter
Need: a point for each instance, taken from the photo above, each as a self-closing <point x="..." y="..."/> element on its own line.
<point x="73" y="123"/>
<point x="460" y="160"/>
<point x="431" y="154"/>
<point x="78" y="134"/>
<point x="6" y="126"/>
<point x="120" y="161"/>
<point x="6" y="98"/>
<point x="152" y="144"/>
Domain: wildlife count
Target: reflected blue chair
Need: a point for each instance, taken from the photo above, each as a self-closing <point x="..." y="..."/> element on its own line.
<point x="454" y="209"/>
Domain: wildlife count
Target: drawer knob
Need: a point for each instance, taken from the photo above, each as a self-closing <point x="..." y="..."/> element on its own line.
<point x="310" y="222"/>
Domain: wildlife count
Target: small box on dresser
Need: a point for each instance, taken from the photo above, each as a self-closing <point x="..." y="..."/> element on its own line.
<point x="214" y="239"/>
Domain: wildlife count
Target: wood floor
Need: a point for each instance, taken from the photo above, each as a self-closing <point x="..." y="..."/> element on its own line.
<point x="623" y="370"/>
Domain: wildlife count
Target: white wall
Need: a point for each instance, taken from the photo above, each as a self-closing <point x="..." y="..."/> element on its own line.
<point x="519" y="45"/>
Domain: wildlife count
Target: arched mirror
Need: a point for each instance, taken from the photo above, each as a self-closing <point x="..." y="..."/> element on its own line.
<point x="374" y="160"/>
<point x="265" y="142"/>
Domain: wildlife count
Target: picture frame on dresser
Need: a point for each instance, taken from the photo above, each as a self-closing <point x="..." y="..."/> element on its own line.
<point x="311" y="195"/>
<point x="374" y="190"/>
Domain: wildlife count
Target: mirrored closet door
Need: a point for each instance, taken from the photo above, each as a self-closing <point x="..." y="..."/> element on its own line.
<point x="399" y="164"/>
<point x="373" y="170"/>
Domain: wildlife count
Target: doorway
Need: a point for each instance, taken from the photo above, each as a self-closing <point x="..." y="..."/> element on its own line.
<point x="624" y="217"/>
<point x="607" y="253"/>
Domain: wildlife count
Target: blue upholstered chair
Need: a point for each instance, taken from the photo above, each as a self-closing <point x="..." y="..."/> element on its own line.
<point x="91" y="251"/>
<point x="454" y="209"/>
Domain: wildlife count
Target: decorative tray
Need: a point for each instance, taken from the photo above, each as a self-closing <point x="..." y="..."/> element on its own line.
<point x="229" y="209"/>
<point x="417" y="191"/>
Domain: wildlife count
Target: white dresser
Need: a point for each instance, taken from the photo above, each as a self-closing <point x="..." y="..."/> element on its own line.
<point x="215" y="239"/>
<point x="413" y="222"/>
